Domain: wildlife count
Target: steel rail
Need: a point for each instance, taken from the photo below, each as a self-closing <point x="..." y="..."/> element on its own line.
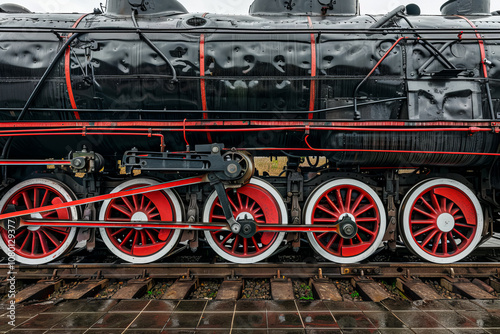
<point x="259" y="270"/>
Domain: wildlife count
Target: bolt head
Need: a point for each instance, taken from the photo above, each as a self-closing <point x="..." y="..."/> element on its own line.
<point x="348" y="229"/>
<point x="232" y="168"/>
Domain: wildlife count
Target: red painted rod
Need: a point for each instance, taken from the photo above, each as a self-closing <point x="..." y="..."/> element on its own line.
<point x="181" y="226"/>
<point x="143" y="190"/>
<point x="34" y="162"/>
<point x="146" y="131"/>
<point x="188" y="123"/>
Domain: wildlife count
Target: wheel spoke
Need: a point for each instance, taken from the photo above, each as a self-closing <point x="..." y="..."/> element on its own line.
<point x="367" y="230"/>
<point x="357" y="202"/>
<point x="27" y="200"/>
<point x="430" y="207"/>
<point x="429" y="238"/>
<point x="127" y="237"/>
<point x="122" y="209"/>
<point x="436" y="242"/>
<point x="333" y="206"/>
<point x="435" y="202"/>
<point x="424" y="230"/>
<point x="128" y="204"/>
<point x="422" y="222"/>
<point x="348" y="200"/>
<point x="43" y="242"/>
<point x="445" y="243"/>
<point x="339" y="200"/>
<point x="363" y="209"/>
<point x="416" y="208"/>
<point x="51" y="237"/>
<point x="322" y="208"/>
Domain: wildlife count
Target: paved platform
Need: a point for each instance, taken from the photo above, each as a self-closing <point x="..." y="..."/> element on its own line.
<point x="194" y="316"/>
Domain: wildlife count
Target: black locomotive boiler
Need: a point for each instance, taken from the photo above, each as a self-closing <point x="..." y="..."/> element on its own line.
<point x="138" y="124"/>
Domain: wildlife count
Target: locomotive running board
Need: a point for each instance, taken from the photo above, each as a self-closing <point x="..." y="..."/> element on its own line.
<point x="177" y="225"/>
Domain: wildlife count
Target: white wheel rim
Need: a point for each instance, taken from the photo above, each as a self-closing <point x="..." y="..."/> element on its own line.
<point x="276" y="243"/>
<point x="177" y="206"/>
<point x="312" y="202"/>
<point x="405" y="212"/>
<point x="68" y="195"/>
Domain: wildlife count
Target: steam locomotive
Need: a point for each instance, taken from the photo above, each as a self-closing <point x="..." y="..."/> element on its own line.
<point x="138" y="124"/>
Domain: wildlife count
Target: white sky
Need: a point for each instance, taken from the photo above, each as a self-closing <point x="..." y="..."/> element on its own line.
<point x="227" y="6"/>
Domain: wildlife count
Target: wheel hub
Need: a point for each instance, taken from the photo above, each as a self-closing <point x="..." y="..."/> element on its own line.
<point x="445" y="222"/>
<point x="247" y="224"/>
<point x="347" y="226"/>
<point x="35" y="216"/>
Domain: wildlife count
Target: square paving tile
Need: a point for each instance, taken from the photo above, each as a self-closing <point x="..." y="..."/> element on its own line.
<point x="285" y="331"/>
<point x="248" y="330"/>
<point x="451" y="319"/>
<point x="431" y="330"/>
<point x="322" y="331"/>
<point x="352" y="320"/>
<point x="345" y="306"/>
<point x="371" y="307"/>
<point x="151" y="320"/>
<point x="29" y="311"/>
<point x="130" y="306"/>
<point x="318" y="319"/>
<point x="213" y="331"/>
<point x="191" y="306"/>
<point x="359" y="330"/>
<point x="67" y="306"/>
<point x="312" y="306"/>
<point x="462" y="305"/>
<point x="115" y="320"/>
<point x="417" y="319"/>
<point x="177" y="331"/>
<point x="432" y="305"/>
<point x="250" y="305"/>
<point x="398" y="305"/>
<point x="395" y="331"/>
<point x="281" y="306"/>
<point x="284" y="320"/>
<point x="43" y="321"/>
<point x="468" y="330"/>
<point x="78" y="321"/>
<point x="183" y="320"/>
<point x="219" y="320"/>
<point x="161" y="306"/>
<point x="490" y="305"/>
<point x="4" y="323"/>
<point x="481" y="319"/>
<point x="384" y="320"/>
<point x="250" y="320"/>
<point x="98" y="305"/>
<point x="142" y="331"/>
<point x="220" y="306"/>
<point x="65" y="331"/>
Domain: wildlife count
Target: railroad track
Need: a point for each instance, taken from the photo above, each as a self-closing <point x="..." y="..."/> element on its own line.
<point x="373" y="281"/>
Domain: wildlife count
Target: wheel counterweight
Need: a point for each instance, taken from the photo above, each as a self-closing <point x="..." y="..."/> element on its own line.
<point x="258" y="201"/>
<point x="441" y="220"/>
<point x="345" y="199"/>
<point x="37" y="244"/>
<point x="139" y="245"/>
